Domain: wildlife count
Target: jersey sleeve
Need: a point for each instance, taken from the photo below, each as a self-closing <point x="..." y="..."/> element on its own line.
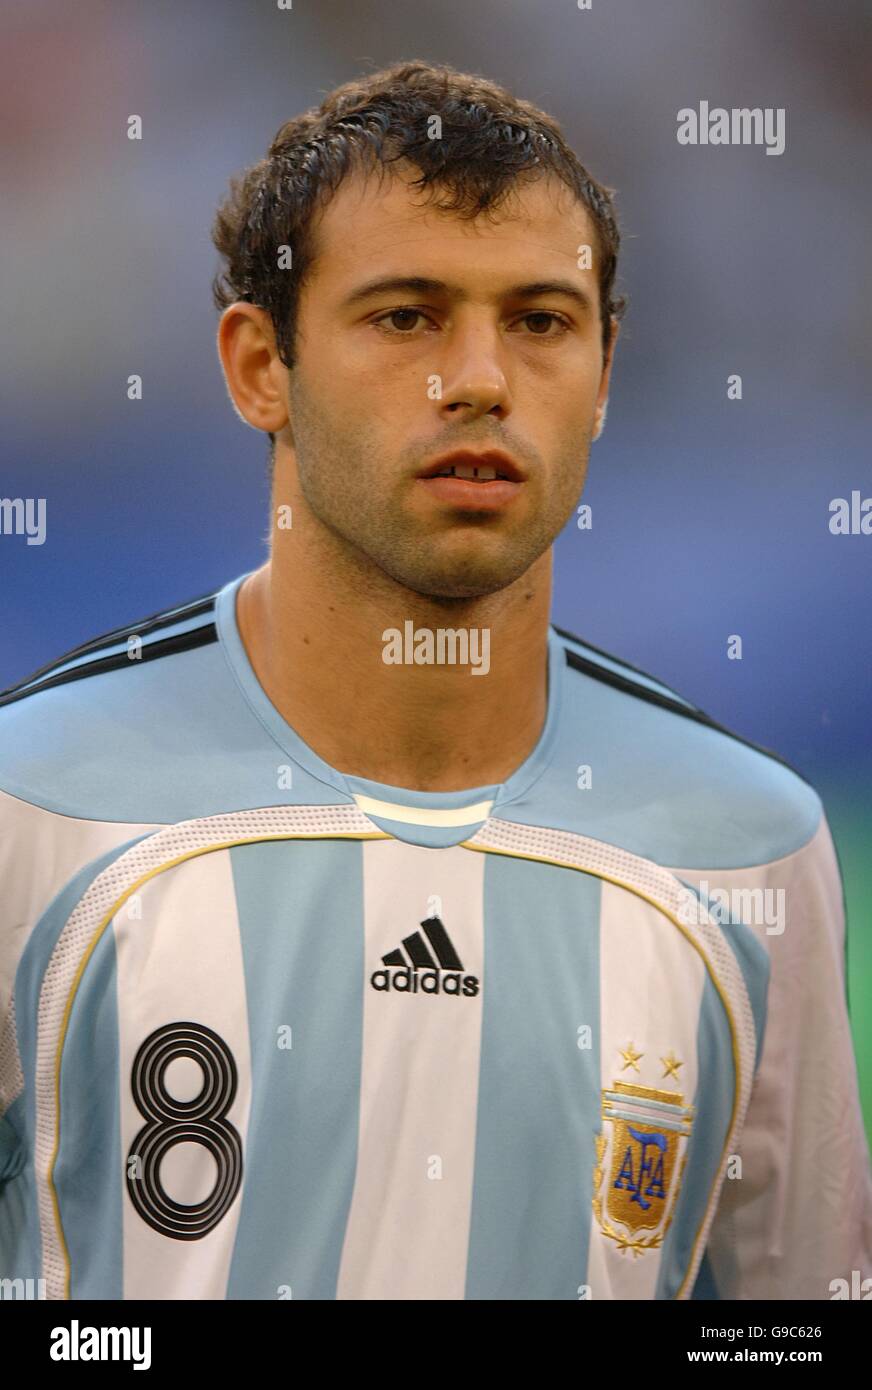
<point x="16" y="918"/>
<point x="797" y="1217"/>
<point x="18" y="902"/>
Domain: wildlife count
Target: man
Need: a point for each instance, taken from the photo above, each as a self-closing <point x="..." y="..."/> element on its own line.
<point x="364" y="936"/>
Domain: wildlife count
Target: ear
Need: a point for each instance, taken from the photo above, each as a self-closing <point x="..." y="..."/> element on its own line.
<point x="602" y="402"/>
<point x="254" y="372"/>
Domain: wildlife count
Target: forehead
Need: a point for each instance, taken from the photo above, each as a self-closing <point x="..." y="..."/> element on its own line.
<point x="383" y="224"/>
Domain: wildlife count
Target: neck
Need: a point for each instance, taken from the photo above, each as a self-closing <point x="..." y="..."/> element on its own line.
<point x="311" y="620"/>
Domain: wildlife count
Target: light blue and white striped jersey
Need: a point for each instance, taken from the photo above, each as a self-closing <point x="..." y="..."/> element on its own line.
<point x="270" y="1031"/>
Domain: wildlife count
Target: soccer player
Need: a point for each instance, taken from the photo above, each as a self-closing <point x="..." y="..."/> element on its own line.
<point x="362" y="934"/>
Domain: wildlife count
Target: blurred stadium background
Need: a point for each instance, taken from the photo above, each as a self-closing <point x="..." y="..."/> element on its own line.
<point x="710" y="516"/>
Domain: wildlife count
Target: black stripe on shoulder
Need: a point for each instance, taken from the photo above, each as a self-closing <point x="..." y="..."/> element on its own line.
<point x="43" y="679"/>
<point x="609" y="656"/>
<point x="663" y="701"/>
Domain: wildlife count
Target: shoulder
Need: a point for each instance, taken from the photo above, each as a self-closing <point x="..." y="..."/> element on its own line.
<point x="663" y="773"/>
<point x="77" y="732"/>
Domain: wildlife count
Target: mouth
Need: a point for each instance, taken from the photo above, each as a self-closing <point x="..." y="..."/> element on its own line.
<point x="466" y="470"/>
<point x="490" y="466"/>
<point x="477" y="482"/>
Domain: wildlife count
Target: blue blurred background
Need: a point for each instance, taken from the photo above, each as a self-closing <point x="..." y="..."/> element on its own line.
<point x="710" y="515"/>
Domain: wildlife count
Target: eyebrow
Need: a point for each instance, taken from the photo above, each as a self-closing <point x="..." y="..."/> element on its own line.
<point x="420" y="284"/>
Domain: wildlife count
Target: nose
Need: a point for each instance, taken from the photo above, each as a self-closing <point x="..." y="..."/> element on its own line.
<point x="474" y="381"/>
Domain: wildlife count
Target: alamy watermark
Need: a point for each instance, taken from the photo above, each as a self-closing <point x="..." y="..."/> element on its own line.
<point x="77" y="1343"/>
<point x="740" y="125"/>
<point x="851" y="518"/>
<point x="444" y="646"/>
<point x="25" y="1289"/>
<point x="755" y="907"/>
<point x="23" y="516"/>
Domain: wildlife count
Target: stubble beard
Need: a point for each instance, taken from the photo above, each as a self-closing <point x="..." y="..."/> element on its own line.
<point x="371" y="535"/>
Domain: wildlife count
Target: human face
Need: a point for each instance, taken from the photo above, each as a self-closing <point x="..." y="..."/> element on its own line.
<point x="388" y="379"/>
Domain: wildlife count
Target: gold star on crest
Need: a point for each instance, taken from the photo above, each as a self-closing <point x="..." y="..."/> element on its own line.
<point x="671" y="1063"/>
<point x="631" y="1057"/>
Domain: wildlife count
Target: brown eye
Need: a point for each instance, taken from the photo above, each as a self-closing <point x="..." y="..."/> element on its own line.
<point x="403" y="319"/>
<point x="545" y="320"/>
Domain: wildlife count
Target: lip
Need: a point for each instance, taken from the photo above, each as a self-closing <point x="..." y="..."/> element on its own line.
<point x="470" y="496"/>
<point x="489" y="458"/>
<point x="466" y="494"/>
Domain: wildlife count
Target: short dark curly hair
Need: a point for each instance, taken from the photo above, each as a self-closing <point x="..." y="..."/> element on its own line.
<point x="488" y="141"/>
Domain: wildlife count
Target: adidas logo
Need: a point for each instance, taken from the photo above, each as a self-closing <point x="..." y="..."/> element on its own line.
<point x="428" y="967"/>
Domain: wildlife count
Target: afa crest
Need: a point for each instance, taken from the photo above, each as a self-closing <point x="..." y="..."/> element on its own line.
<point x="640" y="1160"/>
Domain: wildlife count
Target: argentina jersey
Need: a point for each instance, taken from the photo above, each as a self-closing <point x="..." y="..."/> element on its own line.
<point x="269" y="1031"/>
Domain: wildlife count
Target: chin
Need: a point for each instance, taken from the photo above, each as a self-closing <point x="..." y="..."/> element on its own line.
<point x="462" y="581"/>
